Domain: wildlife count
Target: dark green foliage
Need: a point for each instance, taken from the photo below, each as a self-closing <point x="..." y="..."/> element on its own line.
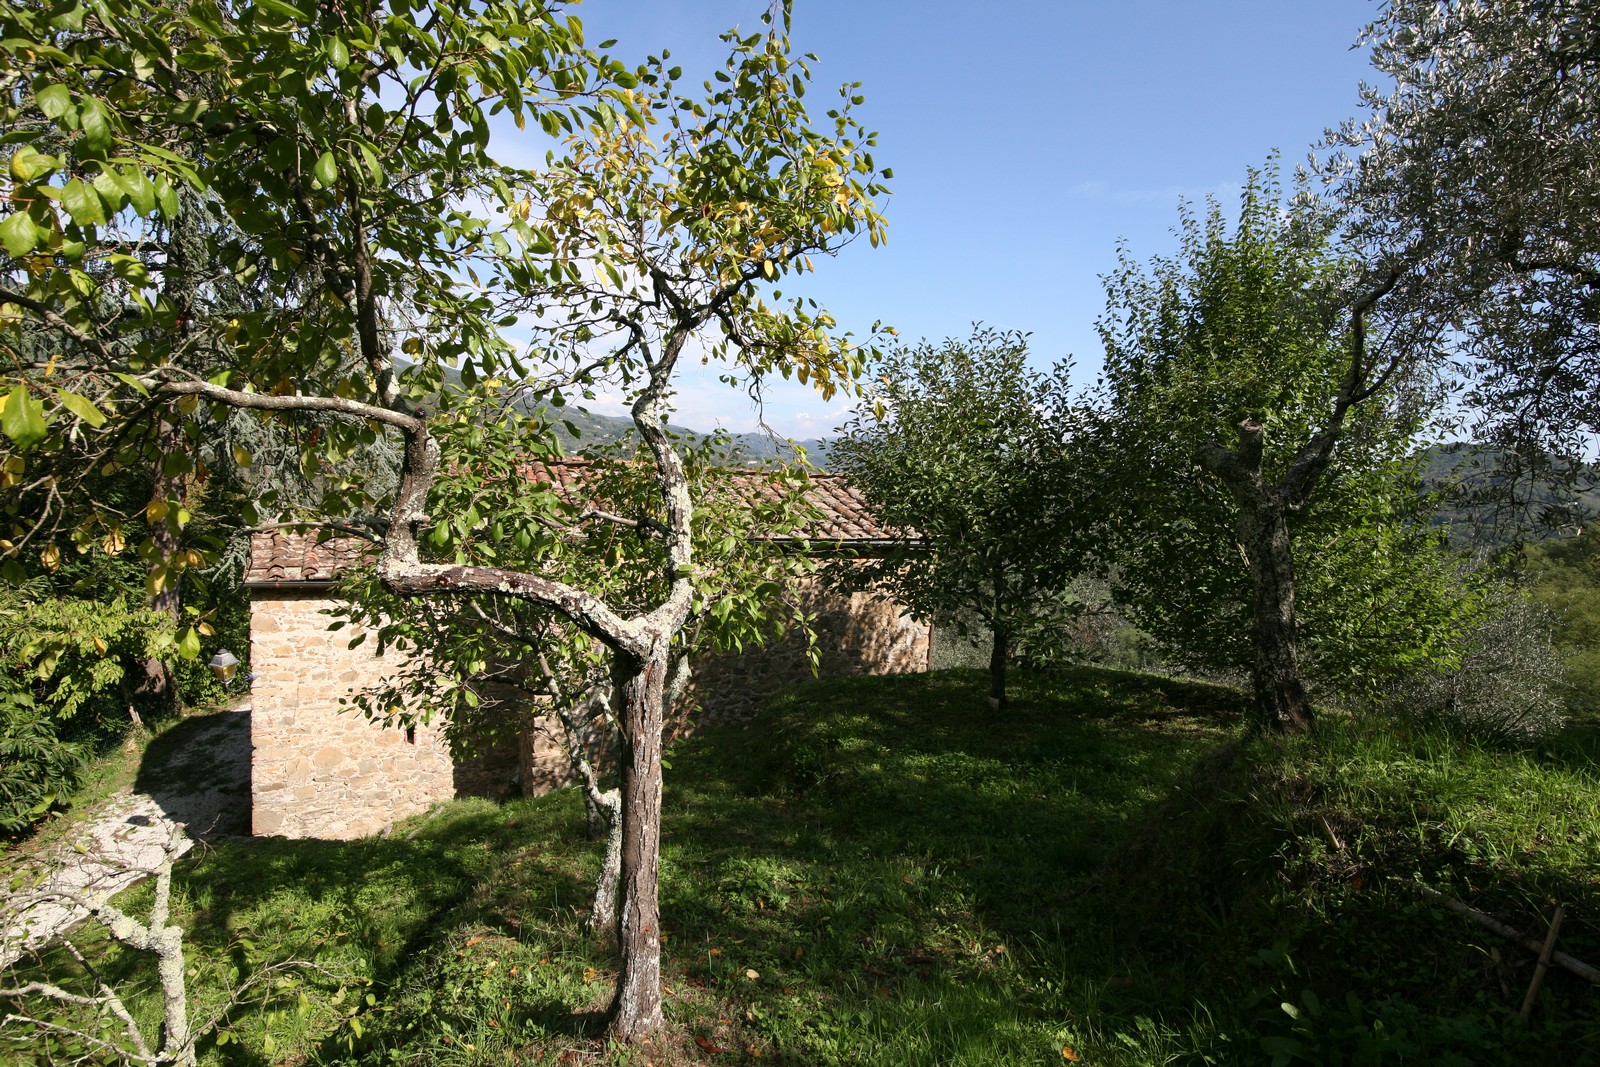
<point x="77" y="643"/>
<point x="1250" y="325"/>
<point x="37" y="768"/>
<point x="956" y="458"/>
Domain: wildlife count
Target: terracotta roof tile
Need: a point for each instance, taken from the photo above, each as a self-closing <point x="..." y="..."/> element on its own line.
<point x="285" y="557"/>
<point x="290" y="558"/>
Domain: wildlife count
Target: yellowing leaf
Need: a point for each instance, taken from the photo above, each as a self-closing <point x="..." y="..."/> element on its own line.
<point x="50" y="558"/>
<point x="29" y="164"/>
<point x="156" y="510"/>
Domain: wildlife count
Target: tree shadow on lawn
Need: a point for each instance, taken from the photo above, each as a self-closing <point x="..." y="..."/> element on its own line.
<point x="378" y="908"/>
<point x="1111" y="846"/>
<point x="921" y="775"/>
<point x="893" y="837"/>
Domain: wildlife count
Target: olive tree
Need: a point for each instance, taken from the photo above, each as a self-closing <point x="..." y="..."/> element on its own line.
<point x="1245" y="407"/>
<point x="1477" y="170"/>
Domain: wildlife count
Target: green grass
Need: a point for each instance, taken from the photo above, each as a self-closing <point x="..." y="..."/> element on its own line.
<point x="883" y="871"/>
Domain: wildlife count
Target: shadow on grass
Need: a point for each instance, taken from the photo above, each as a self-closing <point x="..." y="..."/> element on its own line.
<point x="1110" y="848"/>
<point x="894" y="840"/>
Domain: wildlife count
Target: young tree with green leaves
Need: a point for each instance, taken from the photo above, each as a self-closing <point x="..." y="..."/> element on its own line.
<point x="955" y="455"/>
<point x="350" y="146"/>
<point x="1244" y="405"/>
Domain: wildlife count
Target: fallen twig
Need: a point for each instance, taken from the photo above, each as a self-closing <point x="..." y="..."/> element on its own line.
<point x="1544" y="963"/>
<point x="1576" y="966"/>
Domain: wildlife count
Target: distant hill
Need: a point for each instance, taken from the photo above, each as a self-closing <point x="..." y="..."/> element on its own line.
<point x="594" y="430"/>
<point x="1490" y="496"/>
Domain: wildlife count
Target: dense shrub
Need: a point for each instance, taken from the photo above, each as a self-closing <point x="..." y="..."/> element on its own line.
<point x="1565" y="578"/>
<point x="36" y="766"/>
<point x="70" y="674"/>
<point x="1509" y="678"/>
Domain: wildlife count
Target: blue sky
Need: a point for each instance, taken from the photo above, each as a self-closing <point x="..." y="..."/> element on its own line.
<point x="1026" y="139"/>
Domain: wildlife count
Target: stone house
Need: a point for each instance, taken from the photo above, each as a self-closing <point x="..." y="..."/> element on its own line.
<point x="321" y="771"/>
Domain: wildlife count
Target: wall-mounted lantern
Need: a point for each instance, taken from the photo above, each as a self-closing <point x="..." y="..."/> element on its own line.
<point x="224" y="665"/>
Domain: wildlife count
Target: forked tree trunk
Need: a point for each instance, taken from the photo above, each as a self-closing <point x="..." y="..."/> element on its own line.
<point x="1280" y="694"/>
<point x="1262" y="526"/>
<point x="636" y="1009"/>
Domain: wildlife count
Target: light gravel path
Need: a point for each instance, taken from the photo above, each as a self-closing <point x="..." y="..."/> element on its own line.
<point x="195" y="776"/>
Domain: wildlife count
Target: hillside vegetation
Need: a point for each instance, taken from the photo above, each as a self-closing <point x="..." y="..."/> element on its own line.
<point x="880" y="872"/>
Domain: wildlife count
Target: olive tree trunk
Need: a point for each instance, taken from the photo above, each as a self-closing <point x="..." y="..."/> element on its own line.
<point x="1280" y="693"/>
<point x="1262" y="526"/>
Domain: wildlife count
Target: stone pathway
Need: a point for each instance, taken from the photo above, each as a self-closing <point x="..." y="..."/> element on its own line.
<point x="196" y="776"/>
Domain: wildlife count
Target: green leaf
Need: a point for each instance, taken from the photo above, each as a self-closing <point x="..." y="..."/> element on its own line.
<point x="53" y="100"/>
<point x="83" y="204"/>
<point x="82" y="407"/>
<point x="129" y="269"/>
<point x="326" y="171"/>
<point x="23" y="419"/>
<point x="374" y="167"/>
<point x="19" y="234"/>
<point x="167" y="197"/>
<point x="95" y="121"/>
<point x="132" y="382"/>
<point x="141" y="192"/>
<point x="189" y="643"/>
<point x="338" y="53"/>
<point x="28" y="164"/>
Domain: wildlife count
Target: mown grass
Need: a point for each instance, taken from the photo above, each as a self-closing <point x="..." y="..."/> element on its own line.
<point x="884" y="872"/>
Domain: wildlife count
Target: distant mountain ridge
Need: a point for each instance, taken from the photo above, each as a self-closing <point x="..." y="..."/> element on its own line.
<point x="1556" y="494"/>
<point x="605" y="429"/>
<point x="593" y="429"/>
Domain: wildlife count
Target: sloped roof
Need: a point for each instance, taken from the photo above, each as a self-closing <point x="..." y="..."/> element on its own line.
<point x="288" y="557"/>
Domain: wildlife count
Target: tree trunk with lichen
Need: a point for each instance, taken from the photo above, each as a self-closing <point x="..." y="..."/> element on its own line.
<point x="636" y="1009"/>
<point x="1282" y="704"/>
<point x="1262" y="527"/>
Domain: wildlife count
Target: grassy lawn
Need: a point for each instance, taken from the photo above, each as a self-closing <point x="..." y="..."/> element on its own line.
<point x="884" y="872"/>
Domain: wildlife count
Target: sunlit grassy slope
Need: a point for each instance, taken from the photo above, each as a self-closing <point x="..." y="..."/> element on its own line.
<point x="882" y="871"/>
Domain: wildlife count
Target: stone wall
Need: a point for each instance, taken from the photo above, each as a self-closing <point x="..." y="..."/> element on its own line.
<point x="857" y="633"/>
<point x="319" y="770"/>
